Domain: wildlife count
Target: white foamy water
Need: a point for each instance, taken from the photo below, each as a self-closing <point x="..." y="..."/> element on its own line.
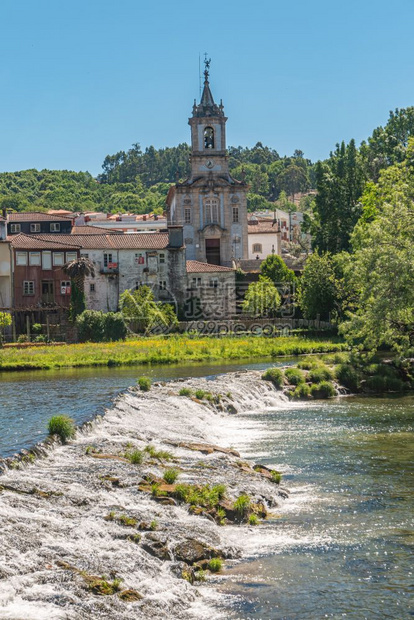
<point x="53" y="511"/>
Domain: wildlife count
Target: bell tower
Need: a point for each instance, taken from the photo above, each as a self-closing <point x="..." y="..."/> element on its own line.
<point x="210" y="205"/>
<point x="208" y="132"/>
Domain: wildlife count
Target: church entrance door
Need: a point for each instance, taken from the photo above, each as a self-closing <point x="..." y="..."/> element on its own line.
<point x="213" y="251"/>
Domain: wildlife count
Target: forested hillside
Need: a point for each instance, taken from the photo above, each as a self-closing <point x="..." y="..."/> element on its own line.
<point x="138" y="181"/>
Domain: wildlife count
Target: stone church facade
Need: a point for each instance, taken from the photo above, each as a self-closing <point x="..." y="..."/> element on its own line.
<point x="210" y="205"/>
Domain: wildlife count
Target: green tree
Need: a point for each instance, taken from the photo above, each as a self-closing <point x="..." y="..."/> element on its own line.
<point x="293" y="179"/>
<point x="5" y="321"/>
<point x="382" y="266"/>
<point x="77" y="270"/>
<point x="275" y="269"/>
<point x="388" y="145"/>
<point x="317" y="294"/>
<point x="143" y="314"/>
<point x="262" y="299"/>
<point x="340" y="183"/>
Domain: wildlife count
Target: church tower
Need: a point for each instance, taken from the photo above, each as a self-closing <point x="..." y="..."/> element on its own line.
<point x="210" y="205"/>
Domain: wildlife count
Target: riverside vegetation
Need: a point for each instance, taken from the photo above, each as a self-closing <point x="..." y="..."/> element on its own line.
<point x="320" y="377"/>
<point x="164" y="350"/>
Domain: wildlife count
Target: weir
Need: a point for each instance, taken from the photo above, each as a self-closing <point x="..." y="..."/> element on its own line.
<point x="83" y="512"/>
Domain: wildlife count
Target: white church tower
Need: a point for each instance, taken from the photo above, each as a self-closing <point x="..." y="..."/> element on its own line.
<point x="210" y="205"/>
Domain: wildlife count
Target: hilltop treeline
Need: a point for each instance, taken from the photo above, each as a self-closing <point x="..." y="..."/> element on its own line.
<point x="138" y="180"/>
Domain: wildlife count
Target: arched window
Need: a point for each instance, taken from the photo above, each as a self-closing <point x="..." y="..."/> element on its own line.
<point x="257" y="248"/>
<point x="209" y="138"/>
<point x="211" y="211"/>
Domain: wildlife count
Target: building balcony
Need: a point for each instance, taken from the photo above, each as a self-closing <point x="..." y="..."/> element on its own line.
<point x="110" y="268"/>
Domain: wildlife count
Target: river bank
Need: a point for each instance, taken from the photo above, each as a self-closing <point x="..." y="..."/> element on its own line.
<point x="84" y="515"/>
<point x="164" y="350"/>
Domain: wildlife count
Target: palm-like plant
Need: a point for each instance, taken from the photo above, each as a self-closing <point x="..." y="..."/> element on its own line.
<point x="78" y="270"/>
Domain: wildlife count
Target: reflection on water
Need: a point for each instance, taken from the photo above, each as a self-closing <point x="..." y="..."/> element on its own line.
<point x="346" y="550"/>
<point x="29" y="399"/>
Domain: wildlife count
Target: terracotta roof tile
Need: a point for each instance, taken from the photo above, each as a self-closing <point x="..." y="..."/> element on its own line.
<point x="94" y="230"/>
<point x="262" y="226"/>
<point x="133" y="241"/>
<point x="140" y="241"/>
<point x="33" y="242"/>
<point x="195" y="266"/>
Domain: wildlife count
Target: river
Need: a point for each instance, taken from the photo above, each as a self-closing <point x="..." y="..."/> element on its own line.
<point x="344" y="547"/>
<point x="340" y="547"/>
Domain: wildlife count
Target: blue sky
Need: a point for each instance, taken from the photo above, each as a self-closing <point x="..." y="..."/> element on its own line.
<point x="83" y="79"/>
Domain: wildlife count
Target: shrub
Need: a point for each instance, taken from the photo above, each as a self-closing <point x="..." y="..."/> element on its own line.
<point x="319" y="373"/>
<point x="40" y="338"/>
<point x="161" y="455"/>
<point x="91" y="326"/>
<point x="135" y="457"/>
<point x="185" y="392"/>
<point x="170" y="476"/>
<point x="275" y="375"/>
<point x="127" y="521"/>
<point x="182" y="492"/>
<point x="347" y="376"/>
<point x="22" y="338"/>
<point x="154" y="525"/>
<point x="306" y="364"/>
<point x="276" y="476"/>
<point x="380" y="383"/>
<point x="294" y="376"/>
<point x="144" y="384"/>
<point x="36" y="328"/>
<point x="114" y="326"/>
<point x="63" y="426"/>
<point x="302" y="392"/>
<point x="325" y="389"/>
<point x="242" y="505"/>
<point x="253" y="519"/>
<point x="215" y="565"/>
<point x="97" y="326"/>
<point x="200" y="394"/>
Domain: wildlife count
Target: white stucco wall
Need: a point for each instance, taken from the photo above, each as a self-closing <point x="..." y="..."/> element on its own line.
<point x="268" y="242"/>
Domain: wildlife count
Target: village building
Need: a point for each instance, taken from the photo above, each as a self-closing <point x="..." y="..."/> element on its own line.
<point x="128" y="261"/>
<point x="38" y="223"/>
<point x="210" y="205"/>
<point x="211" y="291"/>
<point x="5" y="267"/>
<point x="264" y="237"/>
<point x="38" y="275"/>
<point x="123" y="222"/>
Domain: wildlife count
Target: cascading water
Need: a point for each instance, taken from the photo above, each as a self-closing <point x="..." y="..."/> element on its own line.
<point x="59" y="522"/>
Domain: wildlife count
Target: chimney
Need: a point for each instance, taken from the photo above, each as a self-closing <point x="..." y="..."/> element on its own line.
<point x="175" y="237"/>
<point x="4" y="213"/>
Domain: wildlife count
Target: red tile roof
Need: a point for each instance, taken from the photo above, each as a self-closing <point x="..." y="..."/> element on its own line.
<point x="33" y="242"/>
<point x="195" y="266"/>
<point x="140" y="241"/>
<point x="262" y="226"/>
<point x="133" y="241"/>
<point x="94" y="230"/>
<point x="38" y="217"/>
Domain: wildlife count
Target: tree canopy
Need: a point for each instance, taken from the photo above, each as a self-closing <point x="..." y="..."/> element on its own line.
<point x="381" y="268"/>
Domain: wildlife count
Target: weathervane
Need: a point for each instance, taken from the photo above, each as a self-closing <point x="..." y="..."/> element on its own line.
<point x="207" y="65"/>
